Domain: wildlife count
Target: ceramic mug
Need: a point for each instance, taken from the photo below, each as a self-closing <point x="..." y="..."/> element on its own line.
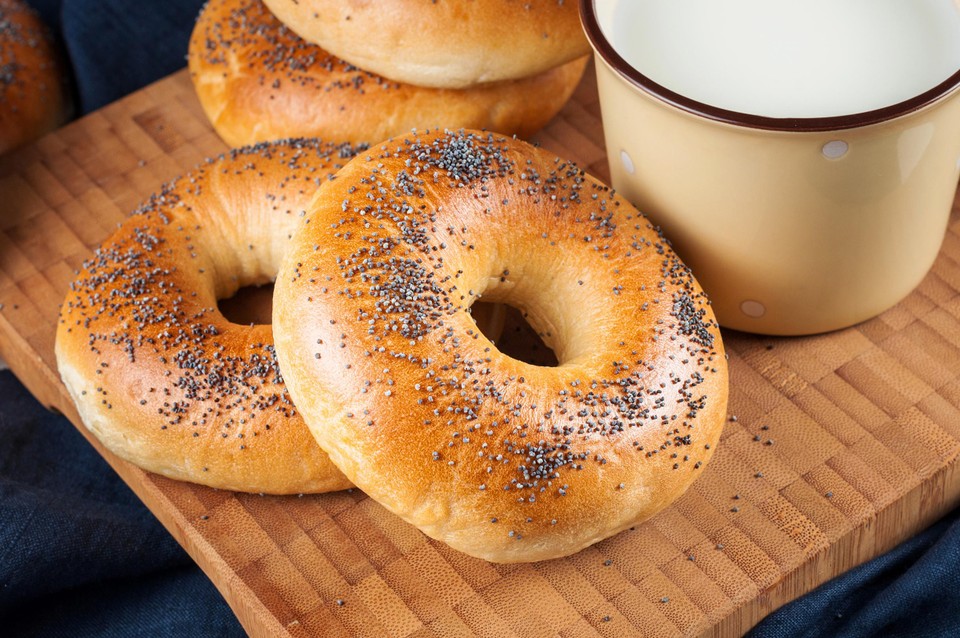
<point x="793" y="225"/>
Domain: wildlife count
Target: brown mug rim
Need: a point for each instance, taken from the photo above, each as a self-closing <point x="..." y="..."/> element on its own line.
<point x="602" y="46"/>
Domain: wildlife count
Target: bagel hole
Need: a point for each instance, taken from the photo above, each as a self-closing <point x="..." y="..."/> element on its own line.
<point x="249" y="305"/>
<point x="503" y="324"/>
<point x="519" y="340"/>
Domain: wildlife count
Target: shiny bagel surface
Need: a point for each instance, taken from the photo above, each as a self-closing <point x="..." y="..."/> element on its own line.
<point x="441" y="43"/>
<point x="498" y="458"/>
<point x="33" y="92"/>
<point x="257" y="81"/>
<point x="158" y="374"/>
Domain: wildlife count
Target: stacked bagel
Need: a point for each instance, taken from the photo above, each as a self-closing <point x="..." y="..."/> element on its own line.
<point x="374" y="372"/>
<point x="359" y="71"/>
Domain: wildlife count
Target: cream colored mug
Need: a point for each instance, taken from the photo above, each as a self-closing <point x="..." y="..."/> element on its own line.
<point x="793" y="225"/>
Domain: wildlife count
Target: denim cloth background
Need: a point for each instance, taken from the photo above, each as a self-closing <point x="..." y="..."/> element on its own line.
<point x="81" y="556"/>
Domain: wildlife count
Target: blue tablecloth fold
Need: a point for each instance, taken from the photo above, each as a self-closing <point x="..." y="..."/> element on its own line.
<point x="80" y="555"/>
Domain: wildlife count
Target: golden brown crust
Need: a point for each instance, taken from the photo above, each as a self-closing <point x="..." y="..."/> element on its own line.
<point x="441" y="43"/>
<point x="257" y="81"/>
<point x="157" y="373"/>
<point x="498" y="458"/>
<point x="33" y="95"/>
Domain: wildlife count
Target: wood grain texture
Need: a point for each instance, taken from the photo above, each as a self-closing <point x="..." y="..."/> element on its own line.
<point x="843" y="444"/>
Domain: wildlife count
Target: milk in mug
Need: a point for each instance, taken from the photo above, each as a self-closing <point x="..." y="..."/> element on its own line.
<point x="774" y="58"/>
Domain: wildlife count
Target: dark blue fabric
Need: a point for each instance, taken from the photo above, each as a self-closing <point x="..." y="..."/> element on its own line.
<point x="81" y="556"/>
<point x="49" y="11"/>
<point x="913" y="591"/>
<point x="117" y="46"/>
<point x="79" y="553"/>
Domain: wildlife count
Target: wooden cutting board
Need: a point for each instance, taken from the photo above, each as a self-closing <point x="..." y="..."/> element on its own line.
<point x="837" y="448"/>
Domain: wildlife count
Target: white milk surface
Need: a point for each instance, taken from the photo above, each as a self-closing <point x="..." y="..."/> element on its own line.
<point x="779" y="58"/>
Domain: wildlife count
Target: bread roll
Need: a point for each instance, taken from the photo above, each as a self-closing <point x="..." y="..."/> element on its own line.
<point x="34" y="98"/>
<point x="257" y="81"/>
<point x="443" y="43"/>
<point x="498" y="458"/>
<point x="158" y="374"/>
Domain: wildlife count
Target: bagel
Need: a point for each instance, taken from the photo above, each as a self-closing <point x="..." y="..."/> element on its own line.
<point x="498" y="458"/>
<point x="444" y="44"/>
<point x="257" y="81"/>
<point x="33" y="95"/>
<point x="158" y="375"/>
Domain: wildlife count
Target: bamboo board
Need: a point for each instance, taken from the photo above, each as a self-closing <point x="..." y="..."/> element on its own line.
<point x="863" y="428"/>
